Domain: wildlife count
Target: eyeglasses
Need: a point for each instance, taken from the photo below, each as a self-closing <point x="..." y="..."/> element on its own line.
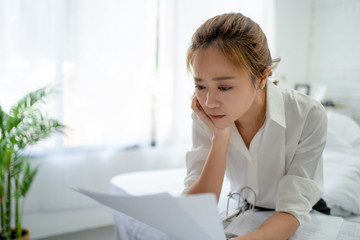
<point x="243" y="204"/>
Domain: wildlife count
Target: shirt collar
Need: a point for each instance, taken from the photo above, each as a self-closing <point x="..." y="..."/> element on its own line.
<point x="275" y="104"/>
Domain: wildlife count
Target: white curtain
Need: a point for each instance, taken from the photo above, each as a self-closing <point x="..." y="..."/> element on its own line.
<point x="122" y="80"/>
<point x="100" y="55"/>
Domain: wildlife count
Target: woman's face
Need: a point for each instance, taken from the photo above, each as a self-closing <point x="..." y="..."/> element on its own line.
<point x="225" y="92"/>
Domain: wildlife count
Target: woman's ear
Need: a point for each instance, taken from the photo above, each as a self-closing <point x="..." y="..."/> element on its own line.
<point x="263" y="79"/>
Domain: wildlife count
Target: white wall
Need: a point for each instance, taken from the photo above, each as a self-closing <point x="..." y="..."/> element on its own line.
<point x="293" y="19"/>
<point x="318" y="42"/>
<point x="334" y="51"/>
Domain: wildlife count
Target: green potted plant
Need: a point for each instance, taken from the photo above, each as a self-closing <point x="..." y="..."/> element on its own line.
<point x="24" y="125"/>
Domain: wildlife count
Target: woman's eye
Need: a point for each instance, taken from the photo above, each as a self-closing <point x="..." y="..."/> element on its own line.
<point x="199" y="87"/>
<point x="225" y="88"/>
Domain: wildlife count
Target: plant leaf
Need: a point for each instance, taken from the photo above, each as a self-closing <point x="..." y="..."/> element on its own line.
<point x="28" y="177"/>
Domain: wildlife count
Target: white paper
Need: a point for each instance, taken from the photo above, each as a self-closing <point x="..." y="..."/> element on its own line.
<point x="349" y="231"/>
<point x="197" y="217"/>
<point x="321" y="227"/>
<point x="187" y="218"/>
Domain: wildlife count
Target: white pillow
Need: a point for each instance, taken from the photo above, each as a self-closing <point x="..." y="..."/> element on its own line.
<point x="342" y="165"/>
<point x="344" y="127"/>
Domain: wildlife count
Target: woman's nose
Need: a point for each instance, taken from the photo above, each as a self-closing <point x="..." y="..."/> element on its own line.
<point x="211" y="100"/>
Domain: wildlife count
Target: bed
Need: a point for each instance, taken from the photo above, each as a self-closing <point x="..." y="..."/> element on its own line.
<point x="341" y="182"/>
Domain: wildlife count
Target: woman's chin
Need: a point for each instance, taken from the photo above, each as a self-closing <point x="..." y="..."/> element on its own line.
<point x="221" y="123"/>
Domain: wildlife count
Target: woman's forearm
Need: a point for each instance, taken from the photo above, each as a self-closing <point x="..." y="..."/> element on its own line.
<point x="212" y="175"/>
<point x="279" y="226"/>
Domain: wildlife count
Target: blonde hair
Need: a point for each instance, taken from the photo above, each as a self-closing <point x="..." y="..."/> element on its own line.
<point x="240" y="39"/>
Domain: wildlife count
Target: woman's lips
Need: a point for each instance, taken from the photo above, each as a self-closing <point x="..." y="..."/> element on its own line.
<point x="216" y="116"/>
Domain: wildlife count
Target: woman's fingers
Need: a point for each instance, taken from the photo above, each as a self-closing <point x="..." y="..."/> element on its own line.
<point x="196" y="107"/>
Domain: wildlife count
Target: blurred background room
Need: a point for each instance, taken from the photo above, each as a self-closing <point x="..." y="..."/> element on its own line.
<point x="123" y="91"/>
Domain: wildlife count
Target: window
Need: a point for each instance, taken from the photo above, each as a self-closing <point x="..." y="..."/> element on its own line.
<point x="119" y="66"/>
<point x="100" y="55"/>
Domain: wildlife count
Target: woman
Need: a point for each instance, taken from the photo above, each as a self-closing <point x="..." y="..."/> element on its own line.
<point x="257" y="134"/>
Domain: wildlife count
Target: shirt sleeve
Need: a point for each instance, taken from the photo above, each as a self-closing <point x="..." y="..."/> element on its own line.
<point x="196" y="157"/>
<point x="302" y="186"/>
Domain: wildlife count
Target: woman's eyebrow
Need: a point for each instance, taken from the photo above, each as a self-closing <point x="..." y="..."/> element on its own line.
<point x="222" y="78"/>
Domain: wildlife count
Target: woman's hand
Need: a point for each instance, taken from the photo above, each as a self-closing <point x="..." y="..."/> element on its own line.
<point x="218" y="132"/>
<point x="279" y="226"/>
<point x="212" y="174"/>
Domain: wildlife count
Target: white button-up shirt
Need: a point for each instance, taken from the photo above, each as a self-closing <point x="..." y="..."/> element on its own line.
<point x="283" y="163"/>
